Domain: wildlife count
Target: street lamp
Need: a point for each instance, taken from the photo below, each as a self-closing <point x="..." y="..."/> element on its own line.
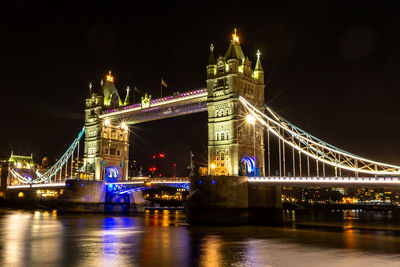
<point x="212" y="168"/>
<point x="250" y="119"/>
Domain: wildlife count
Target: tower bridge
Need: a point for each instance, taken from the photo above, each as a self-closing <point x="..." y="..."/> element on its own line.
<point x="241" y="131"/>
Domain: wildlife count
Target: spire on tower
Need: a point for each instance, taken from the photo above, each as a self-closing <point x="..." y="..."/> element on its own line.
<point x="258" y="64"/>
<point x="127" y="97"/>
<point x="234" y="50"/>
<point x="90" y="90"/>
<point x="211" y="59"/>
<point x="109" y="77"/>
<point x="235" y="37"/>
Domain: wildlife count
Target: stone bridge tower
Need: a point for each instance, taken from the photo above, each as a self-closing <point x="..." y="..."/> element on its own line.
<point x="232" y="141"/>
<point x="106" y="152"/>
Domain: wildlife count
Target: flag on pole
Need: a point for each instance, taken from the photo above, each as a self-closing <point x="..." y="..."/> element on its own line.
<point x="164" y="83"/>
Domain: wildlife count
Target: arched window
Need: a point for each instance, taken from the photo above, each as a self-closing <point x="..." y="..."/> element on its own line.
<point x="227" y="111"/>
<point x="216" y="113"/>
<point x="222" y="136"/>
<point x="227" y="135"/>
<point x="217" y="137"/>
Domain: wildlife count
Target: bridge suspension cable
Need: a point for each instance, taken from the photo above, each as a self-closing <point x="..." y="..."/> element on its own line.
<point x="56" y="168"/>
<point x="315" y="148"/>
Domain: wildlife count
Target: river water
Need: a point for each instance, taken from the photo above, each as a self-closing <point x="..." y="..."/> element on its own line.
<point x="350" y="238"/>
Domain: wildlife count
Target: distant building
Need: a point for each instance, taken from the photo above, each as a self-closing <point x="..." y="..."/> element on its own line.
<point x="23" y="165"/>
<point x="3" y="172"/>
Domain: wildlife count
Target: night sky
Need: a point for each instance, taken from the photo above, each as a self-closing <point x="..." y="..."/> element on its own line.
<point x="333" y="69"/>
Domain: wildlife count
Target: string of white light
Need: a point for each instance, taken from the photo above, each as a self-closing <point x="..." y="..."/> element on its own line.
<point x="55" y="168"/>
<point x="307" y="138"/>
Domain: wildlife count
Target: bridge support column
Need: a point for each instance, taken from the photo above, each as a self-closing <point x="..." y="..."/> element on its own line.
<point x="83" y="196"/>
<point x="137" y="202"/>
<point x="265" y="204"/>
<point x="231" y="200"/>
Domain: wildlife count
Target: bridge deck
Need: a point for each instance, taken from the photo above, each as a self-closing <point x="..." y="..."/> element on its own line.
<point x="279" y="181"/>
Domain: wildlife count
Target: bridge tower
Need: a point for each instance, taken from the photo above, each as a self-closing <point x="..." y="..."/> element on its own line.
<point x="231" y="141"/>
<point x="106" y="151"/>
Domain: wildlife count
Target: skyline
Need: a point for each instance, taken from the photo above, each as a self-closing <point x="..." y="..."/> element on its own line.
<point x="48" y="78"/>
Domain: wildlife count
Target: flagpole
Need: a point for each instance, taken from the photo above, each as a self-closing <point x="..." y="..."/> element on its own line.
<point x="161" y="86"/>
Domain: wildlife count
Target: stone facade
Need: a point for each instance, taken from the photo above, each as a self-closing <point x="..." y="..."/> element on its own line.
<point x="106" y="140"/>
<point x="229" y="137"/>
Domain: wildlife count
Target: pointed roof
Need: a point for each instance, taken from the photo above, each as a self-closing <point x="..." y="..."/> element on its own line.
<point x="127" y="98"/>
<point x="108" y="89"/>
<point x="234" y="50"/>
<point x="211" y="58"/>
<point x="90" y="91"/>
<point x="258" y="64"/>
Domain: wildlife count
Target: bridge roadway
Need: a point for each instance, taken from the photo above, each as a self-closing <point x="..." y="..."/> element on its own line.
<point x="273" y="180"/>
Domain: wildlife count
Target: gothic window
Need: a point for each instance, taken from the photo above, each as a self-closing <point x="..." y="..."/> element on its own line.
<point x="106" y="151"/>
<point x="118" y="152"/>
<point x="221" y="68"/>
<point x="220" y="83"/>
<point x="112" y="151"/>
<point x="222" y="156"/>
<point x="105" y="135"/>
<point x="227" y="111"/>
<point x="217" y="152"/>
<point x="113" y="134"/>
<point x="216" y="158"/>
<point x="216" y="113"/>
<point x="222" y="136"/>
<point x="217" y="137"/>
<point x="222" y="113"/>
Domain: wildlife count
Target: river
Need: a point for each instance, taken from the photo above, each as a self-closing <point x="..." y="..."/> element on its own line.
<point x="335" y="238"/>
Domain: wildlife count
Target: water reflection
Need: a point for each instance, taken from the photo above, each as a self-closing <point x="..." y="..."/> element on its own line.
<point x="164" y="239"/>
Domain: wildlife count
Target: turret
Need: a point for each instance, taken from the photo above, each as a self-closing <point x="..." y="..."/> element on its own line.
<point x="90" y="92"/>
<point x="109" y="92"/>
<point x="258" y="70"/>
<point x="212" y="65"/>
<point x="234" y="55"/>
<point x="127" y="98"/>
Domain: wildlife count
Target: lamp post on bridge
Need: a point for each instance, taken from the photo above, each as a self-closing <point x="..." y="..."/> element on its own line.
<point x="251" y="120"/>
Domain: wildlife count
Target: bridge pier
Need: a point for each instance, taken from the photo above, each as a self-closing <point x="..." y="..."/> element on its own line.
<point x="230" y="200"/>
<point x="84" y="196"/>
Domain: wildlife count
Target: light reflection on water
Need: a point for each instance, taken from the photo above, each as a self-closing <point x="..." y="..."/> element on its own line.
<point x="162" y="238"/>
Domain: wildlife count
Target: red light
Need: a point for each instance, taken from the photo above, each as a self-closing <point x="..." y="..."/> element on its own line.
<point x="159" y="175"/>
<point x="161" y="155"/>
<point x="154" y="156"/>
<point x="174" y="164"/>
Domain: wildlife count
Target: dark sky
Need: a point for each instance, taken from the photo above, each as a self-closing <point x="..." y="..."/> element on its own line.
<point x="332" y="67"/>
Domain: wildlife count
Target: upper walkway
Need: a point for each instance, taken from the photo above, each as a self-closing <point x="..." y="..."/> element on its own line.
<point x="165" y="107"/>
